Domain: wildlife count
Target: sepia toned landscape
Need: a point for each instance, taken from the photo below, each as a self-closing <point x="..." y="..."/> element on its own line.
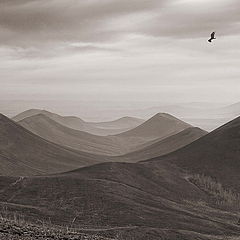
<point x="160" y="179"/>
<point x="119" y="120"/>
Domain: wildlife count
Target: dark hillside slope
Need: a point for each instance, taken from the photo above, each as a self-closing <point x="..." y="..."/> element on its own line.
<point x="23" y="153"/>
<point x="216" y="154"/>
<point x="157" y="200"/>
<point x="165" y="146"/>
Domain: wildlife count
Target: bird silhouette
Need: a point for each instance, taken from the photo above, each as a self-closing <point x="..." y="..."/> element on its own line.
<point x="212" y="37"/>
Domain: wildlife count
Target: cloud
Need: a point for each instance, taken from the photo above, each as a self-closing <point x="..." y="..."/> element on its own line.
<point x="136" y="48"/>
<point x="52" y="23"/>
<point x="194" y="19"/>
<point x="47" y="21"/>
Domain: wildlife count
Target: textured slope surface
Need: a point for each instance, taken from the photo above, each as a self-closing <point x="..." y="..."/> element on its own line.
<point x="167" y="145"/>
<point x="216" y="154"/>
<point x="19" y="230"/>
<point x="23" y="153"/>
<point x="142" y="201"/>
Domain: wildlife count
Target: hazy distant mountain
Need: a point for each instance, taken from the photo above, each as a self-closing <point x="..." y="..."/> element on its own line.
<point x="167" y="145"/>
<point x="102" y="129"/>
<point x="186" y="110"/>
<point x="51" y="130"/>
<point x="23" y="153"/>
<point x="207" y="123"/>
<point x="216" y="154"/>
<point x="31" y="112"/>
<point x="121" y="123"/>
<point x="160" y="125"/>
<point x="233" y="110"/>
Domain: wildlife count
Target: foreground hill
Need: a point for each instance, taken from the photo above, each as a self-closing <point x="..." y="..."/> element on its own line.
<point x="51" y="130"/>
<point x="216" y="154"/>
<point x="135" y="201"/>
<point x="160" y="125"/>
<point x="165" y="146"/>
<point x="20" y="230"/>
<point x="102" y="129"/>
<point x="24" y="153"/>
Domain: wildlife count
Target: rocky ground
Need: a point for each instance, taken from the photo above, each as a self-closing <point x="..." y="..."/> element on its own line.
<point x="9" y="230"/>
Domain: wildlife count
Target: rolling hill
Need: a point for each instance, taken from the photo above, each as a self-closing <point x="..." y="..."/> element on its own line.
<point x="101" y="129"/>
<point x="114" y="145"/>
<point x="135" y="201"/>
<point x="216" y="154"/>
<point x="24" y="153"/>
<point x="158" y="148"/>
<point x="160" y="125"/>
<point x="51" y="130"/>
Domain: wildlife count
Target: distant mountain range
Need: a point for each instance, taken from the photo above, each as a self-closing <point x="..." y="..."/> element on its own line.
<point x="41" y="145"/>
<point x="206" y="115"/>
<point x="102" y="129"/>
<point x="156" y="128"/>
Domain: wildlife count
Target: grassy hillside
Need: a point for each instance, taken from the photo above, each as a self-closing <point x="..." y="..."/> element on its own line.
<point x="20" y="230"/>
<point x="122" y="198"/>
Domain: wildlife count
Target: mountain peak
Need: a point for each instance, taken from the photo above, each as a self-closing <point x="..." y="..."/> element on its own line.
<point x="163" y="115"/>
<point x="37" y="117"/>
<point x="160" y="125"/>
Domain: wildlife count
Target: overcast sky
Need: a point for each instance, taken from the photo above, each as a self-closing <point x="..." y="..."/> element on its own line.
<point x="107" y="51"/>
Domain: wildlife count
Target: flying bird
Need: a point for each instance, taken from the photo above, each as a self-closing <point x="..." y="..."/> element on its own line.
<point x="212" y="37"/>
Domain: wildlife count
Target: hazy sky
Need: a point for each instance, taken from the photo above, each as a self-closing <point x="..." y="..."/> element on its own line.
<point x="107" y="51"/>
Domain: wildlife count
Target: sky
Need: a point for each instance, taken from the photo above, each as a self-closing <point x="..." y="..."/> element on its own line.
<point x="113" y="53"/>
